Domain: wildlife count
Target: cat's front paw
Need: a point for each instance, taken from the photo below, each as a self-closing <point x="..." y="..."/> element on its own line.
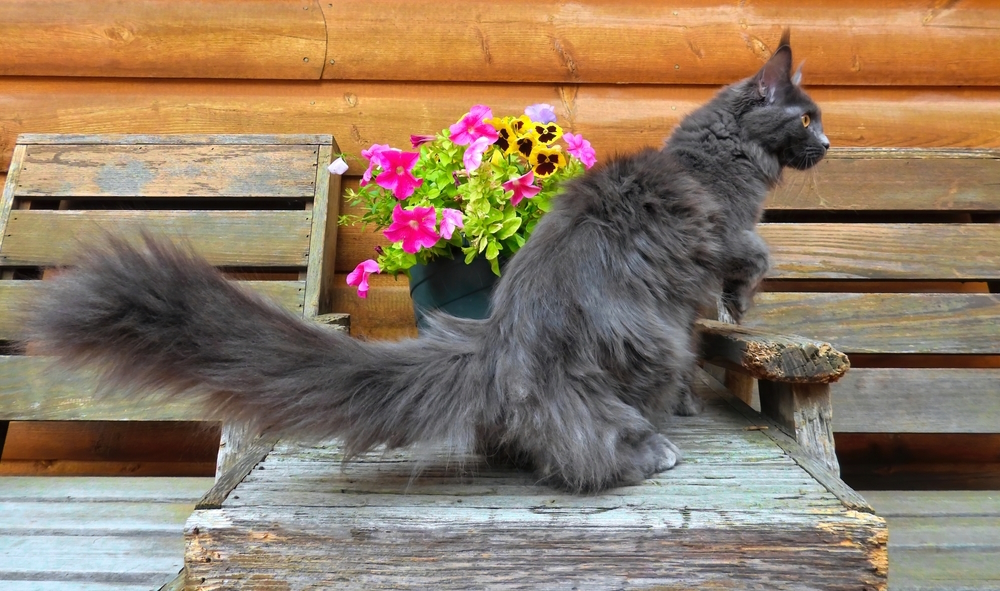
<point x="660" y="455"/>
<point x="688" y="403"/>
<point x="730" y="311"/>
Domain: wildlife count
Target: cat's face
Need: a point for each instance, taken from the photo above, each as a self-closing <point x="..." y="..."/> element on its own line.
<point x="781" y="117"/>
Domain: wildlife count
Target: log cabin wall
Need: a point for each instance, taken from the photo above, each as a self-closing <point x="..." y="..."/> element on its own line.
<point x="901" y="73"/>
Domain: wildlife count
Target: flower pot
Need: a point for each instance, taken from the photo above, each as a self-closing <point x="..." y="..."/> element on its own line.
<point x="453" y="287"/>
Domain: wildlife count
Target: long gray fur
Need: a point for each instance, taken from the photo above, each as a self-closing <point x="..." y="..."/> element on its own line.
<point x="589" y="346"/>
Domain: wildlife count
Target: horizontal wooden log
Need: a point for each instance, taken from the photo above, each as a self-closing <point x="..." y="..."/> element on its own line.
<point x="614" y="118"/>
<point x="693" y="42"/>
<point x="767" y="356"/>
<point x="883" y="251"/>
<point x="72" y="171"/>
<point x="163" y="38"/>
<point x="884" y="323"/>
<point x="894" y="179"/>
<point x="108" y="468"/>
<point x="15" y="297"/>
<point x="225" y="238"/>
<point x="918" y="401"/>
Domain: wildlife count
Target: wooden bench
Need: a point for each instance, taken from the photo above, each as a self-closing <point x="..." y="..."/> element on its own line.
<point x="893" y="256"/>
<point x="257" y="206"/>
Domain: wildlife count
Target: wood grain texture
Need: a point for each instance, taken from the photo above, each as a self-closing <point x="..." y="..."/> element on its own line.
<point x="62" y="534"/>
<point x="694" y="42"/>
<point x="805" y="412"/>
<point x="163" y="38"/>
<point x="34" y="389"/>
<point x="16" y="297"/>
<point x="884" y="322"/>
<point x="224" y="238"/>
<point x="70" y="171"/>
<point x="615" y="119"/>
<point x="768" y="356"/>
<point x="894" y="179"/>
<point x="941" y="540"/>
<point x="883" y="251"/>
<point x="376" y="526"/>
<point x="918" y="401"/>
<point x="322" y="236"/>
<point x="124" y="441"/>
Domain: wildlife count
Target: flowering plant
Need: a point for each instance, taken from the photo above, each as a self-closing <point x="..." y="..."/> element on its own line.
<point x="478" y="187"/>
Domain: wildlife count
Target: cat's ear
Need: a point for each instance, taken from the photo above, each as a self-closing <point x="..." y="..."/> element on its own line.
<point x="775" y="75"/>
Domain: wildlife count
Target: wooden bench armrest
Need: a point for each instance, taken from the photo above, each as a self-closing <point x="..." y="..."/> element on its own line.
<point x="793" y="380"/>
<point x="768" y="356"/>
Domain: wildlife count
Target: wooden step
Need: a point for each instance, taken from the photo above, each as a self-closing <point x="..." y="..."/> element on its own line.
<point x="739" y="512"/>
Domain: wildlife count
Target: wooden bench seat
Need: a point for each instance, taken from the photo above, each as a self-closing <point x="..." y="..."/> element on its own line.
<point x="256" y="206"/>
<point x="747" y="509"/>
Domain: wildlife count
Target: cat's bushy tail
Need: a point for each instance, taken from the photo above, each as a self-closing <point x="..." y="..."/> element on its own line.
<point x="157" y="320"/>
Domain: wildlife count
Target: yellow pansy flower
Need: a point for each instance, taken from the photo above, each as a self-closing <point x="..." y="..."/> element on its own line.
<point x="545" y="161"/>
<point x="546" y="133"/>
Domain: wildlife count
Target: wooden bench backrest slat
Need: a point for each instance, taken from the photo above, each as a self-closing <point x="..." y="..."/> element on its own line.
<point x="901" y="323"/>
<point x="16" y="295"/>
<point x="150" y="170"/>
<point x="917" y="400"/>
<point x="883" y="251"/>
<point x="894" y="180"/>
<point x="226" y="238"/>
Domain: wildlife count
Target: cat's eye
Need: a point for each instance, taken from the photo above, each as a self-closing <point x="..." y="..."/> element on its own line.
<point x="806" y="120"/>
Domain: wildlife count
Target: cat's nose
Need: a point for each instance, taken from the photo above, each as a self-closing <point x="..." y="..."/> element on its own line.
<point x="824" y="141"/>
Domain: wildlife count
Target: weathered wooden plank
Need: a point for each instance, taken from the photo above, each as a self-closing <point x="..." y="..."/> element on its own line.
<point x="187" y="139"/>
<point x="933" y="569"/>
<point x="939" y="503"/>
<point x="33" y="518"/>
<point x="33" y="388"/>
<point x="695" y="42"/>
<point x="892" y="180"/>
<point x="768" y="356"/>
<point x="890" y="251"/>
<point x="735" y="502"/>
<point x="884" y="322"/>
<point x="7" y="197"/>
<point x="918" y="401"/>
<point x="225" y="238"/>
<point x="15" y="297"/>
<point x="163" y="38"/>
<point x="323" y="236"/>
<point x="151" y="558"/>
<point x="362" y="113"/>
<point x="235" y="474"/>
<point x="73" y="586"/>
<point x="104" y="490"/>
<point x="144" y="170"/>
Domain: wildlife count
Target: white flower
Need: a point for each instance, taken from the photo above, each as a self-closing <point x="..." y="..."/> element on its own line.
<point x="338" y="166"/>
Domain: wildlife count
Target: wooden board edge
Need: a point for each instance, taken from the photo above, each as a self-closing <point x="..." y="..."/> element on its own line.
<point x="7" y="200"/>
<point x="847" y="496"/>
<point x="174" y="139"/>
<point x="912" y="153"/>
<point x="178" y="583"/>
<point x="226" y="483"/>
<point x="322" y="208"/>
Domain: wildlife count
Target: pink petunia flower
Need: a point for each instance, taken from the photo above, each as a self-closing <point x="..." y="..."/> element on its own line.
<point x="450" y="219"/>
<point x="473" y="126"/>
<point x="375" y="158"/>
<point x="359" y="276"/>
<point x="418" y="140"/>
<point x="541" y="113"/>
<point x="397" y="175"/>
<point x="473" y="157"/>
<point x="522" y="186"/>
<point x="414" y="228"/>
<point x="581" y="148"/>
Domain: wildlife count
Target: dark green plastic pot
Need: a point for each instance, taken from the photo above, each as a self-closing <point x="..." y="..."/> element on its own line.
<point x="453" y="287"/>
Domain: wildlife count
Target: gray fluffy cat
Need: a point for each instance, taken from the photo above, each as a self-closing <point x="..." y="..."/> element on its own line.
<point x="590" y="343"/>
